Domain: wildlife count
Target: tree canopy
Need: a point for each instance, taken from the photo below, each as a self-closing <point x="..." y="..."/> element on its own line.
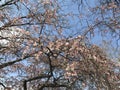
<point x="60" y="44"/>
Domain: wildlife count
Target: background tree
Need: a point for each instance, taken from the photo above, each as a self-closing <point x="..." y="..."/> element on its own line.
<point x="49" y="44"/>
